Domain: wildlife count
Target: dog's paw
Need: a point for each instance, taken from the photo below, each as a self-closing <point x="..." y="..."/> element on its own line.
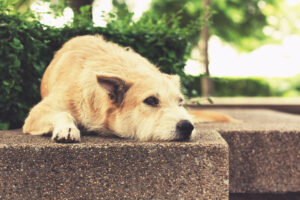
<point x="66" y="134"/>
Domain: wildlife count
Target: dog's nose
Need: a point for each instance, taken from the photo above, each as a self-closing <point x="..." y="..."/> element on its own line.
<point x="184" y="129"/>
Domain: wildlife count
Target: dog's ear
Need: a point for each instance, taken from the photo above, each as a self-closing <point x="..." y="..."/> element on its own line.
<point x="115" y="86"/>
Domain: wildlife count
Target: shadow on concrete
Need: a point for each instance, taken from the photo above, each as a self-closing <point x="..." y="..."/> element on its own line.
<point x="265" y="196"/>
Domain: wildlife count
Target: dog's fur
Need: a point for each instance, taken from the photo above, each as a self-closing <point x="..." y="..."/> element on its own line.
<point x="101" y="86"/>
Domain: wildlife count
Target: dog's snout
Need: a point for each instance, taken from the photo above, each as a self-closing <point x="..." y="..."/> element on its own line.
<point x="184" y="129"/>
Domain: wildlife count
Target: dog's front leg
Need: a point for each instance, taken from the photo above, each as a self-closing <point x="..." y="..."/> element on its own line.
<point x="65" y="129"/>
<point x="46" y="118"/>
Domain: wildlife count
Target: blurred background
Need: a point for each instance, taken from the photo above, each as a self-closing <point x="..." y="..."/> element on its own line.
<point x="221" y="48"/>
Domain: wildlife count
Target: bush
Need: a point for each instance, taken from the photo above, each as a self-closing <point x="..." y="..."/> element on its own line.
<point x="24" y="55"/>
<point x="230" y="86"/>
<point x="241" y="87"/>
<point x="27" y="47"/>
<point x="286" y="87"/>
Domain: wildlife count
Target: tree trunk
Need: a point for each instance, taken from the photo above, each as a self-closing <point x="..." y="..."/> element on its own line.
<point x="76" y="4"/>
<point x="206" y="82"/>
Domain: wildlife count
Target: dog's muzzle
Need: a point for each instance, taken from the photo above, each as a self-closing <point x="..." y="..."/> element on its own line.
<point x="184" y="130"/>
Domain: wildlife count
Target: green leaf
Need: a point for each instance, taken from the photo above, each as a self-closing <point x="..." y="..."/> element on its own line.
<point x="4" y="125"/>
<point x="5" y="83"/>
<point x="209" y="99"/>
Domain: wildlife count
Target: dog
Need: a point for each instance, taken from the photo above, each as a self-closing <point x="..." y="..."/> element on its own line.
<point x="104" y="87"/>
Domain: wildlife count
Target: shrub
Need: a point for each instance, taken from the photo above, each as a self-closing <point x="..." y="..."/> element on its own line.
<point x="241" y="87"/>
<point x="24" y="55"/>
<point x="230" y="86"/>
<point x="286" y="87"/>
<point x="27" y="47"/>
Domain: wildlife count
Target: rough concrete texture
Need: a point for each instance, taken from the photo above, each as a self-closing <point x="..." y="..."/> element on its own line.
<point x="264" y="150"/>
<point x="34" y="167"/>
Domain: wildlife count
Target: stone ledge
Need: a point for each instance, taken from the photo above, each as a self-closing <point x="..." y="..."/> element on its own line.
<point x="33" y="167"/>
<point x="264" y="150"/>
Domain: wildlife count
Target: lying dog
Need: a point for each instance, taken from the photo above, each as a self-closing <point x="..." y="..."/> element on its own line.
<point x="103" y="87"/>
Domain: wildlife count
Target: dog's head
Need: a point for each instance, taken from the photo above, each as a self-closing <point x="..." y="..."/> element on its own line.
<point x="146" y="107"/>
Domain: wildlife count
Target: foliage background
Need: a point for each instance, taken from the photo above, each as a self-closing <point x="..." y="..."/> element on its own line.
<point x="237" y="22"/>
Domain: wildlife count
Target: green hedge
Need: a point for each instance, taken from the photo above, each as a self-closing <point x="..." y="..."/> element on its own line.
<point x="241" y="87"/>
<point x="285" y="87"/>
<point x="231" y="86"/>
<point x="27" y="47"/>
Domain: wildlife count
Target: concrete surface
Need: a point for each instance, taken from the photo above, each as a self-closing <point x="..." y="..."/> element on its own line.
<point x="33" y="167"/>
<point x="264" y="163"/>
<point x="264" y="150"/>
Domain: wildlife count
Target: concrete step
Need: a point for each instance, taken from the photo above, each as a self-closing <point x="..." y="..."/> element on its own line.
<point x="264" y="159"/>
<point x="264" y="150"/>
<point x="34" y="167"/>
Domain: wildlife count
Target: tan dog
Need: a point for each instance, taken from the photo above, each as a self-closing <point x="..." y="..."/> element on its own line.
<point x="102" y="86"/>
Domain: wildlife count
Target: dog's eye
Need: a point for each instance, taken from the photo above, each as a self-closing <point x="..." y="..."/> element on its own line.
<point x="151" y="101"/>
<point x="180" y="101"/>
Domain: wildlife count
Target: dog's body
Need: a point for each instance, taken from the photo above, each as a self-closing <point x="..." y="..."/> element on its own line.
<point x="102" y="86"/>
